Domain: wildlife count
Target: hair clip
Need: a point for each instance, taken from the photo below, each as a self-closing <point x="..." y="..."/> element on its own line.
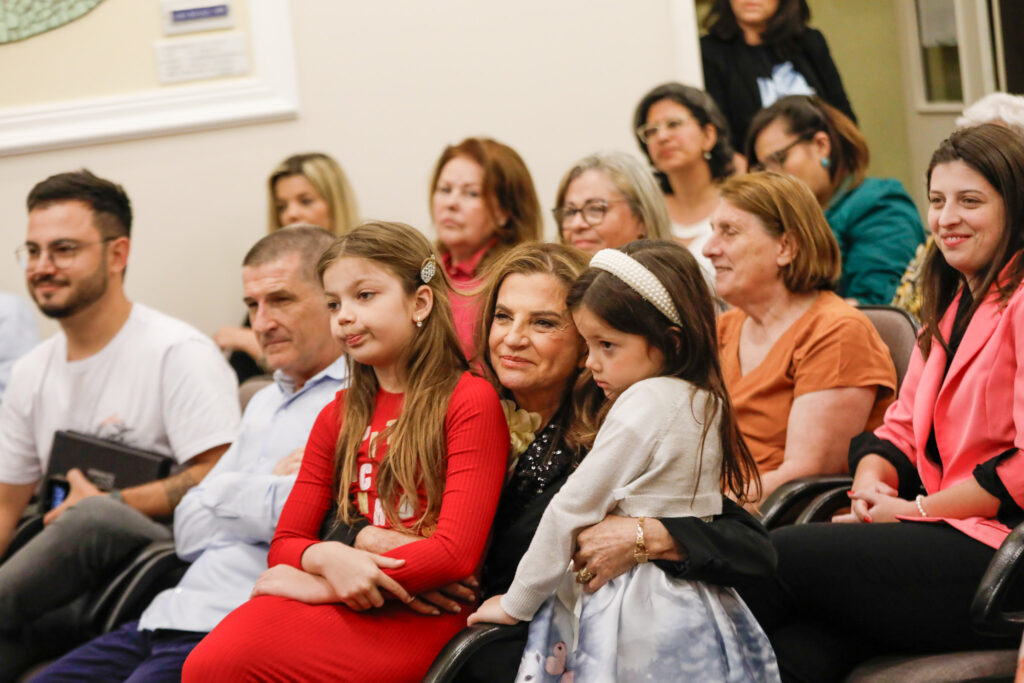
<point x="428" y="270"/>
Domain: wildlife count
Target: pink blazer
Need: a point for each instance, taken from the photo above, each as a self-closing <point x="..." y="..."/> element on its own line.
<point x="978" y="410"/>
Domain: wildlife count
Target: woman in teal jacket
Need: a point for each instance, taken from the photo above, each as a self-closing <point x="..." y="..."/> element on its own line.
<point x="875" y="221"/>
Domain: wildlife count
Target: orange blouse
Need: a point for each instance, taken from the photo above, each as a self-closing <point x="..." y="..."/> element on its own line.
<point x="832" y="345"/>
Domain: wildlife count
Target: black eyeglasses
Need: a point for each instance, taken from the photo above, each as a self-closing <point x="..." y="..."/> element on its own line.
<point x="592" y="211"/>
<point x="776" y="159"/>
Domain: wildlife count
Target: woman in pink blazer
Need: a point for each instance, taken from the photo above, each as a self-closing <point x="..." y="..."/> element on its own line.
<point x="939" y="485"/>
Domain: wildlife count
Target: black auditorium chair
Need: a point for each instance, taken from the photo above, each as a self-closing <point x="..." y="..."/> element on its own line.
<point x="465" y="644"/>
<point x="154" y="568"/>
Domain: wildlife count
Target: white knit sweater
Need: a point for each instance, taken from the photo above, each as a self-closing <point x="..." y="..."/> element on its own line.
<point x="644" y="462"/>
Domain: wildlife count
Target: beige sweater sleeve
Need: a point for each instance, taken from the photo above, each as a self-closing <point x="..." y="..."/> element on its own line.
<point x="626" y="444"/>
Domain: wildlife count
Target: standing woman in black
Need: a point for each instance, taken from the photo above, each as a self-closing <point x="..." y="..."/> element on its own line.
<point x="757" y="51"/>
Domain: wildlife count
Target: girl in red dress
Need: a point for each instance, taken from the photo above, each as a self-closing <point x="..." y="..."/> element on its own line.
<point x="415" y="444"/>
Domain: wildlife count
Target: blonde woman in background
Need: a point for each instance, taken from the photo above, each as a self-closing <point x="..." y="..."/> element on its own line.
<point x="304" y="189"/>
<point x="311" y="188"/>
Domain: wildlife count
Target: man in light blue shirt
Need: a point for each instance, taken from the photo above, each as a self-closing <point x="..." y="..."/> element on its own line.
<point x="18" y="334"/>
<point x="224" y="525"/>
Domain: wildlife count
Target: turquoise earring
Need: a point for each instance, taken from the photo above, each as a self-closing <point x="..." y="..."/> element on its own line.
<point x="825" y="163"/>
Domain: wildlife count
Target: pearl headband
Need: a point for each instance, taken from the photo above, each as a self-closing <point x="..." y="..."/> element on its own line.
<point x="643" y="281"/>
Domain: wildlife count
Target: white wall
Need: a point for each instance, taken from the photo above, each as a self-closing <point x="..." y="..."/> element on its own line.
<point x="384" y="86"/>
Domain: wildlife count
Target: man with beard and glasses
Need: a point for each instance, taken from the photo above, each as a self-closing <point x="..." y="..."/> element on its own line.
<point x="117" y="370"/>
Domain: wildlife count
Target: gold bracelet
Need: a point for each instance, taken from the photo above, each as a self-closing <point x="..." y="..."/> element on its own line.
<point x="640" y="551"/>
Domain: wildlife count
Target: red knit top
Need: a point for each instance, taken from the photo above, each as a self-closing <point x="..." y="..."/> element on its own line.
<point x="477" y="440"/>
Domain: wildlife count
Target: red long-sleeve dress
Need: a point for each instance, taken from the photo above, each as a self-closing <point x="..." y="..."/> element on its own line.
<point x="276" y="639"/>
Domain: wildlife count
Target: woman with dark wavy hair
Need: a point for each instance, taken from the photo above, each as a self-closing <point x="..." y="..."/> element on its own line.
<point x="757" y="51"/>
<point x="686" y="139"/>
<point x="874" y="219"/>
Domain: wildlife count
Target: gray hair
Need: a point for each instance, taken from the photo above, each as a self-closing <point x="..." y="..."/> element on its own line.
<point x="308" y="241"/>
<point x="634" y="181"/>
<point x="997" y="107"/>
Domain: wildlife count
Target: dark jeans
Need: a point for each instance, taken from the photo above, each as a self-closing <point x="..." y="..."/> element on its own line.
<point x="847" y="592"/>
<point x="84" y="548"/>
<point x="126" y="654"/>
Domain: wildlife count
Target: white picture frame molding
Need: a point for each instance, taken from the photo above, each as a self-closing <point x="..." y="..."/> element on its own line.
<point x="270" y="94"/>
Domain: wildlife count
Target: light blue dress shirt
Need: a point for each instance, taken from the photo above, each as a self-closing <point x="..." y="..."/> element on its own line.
<point x="224" y="525"/>
<point x="18" y="334"/>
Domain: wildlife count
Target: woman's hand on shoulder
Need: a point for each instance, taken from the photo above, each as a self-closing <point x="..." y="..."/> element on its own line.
<point x="491" y="612"/>
<point x="355" y="576"/>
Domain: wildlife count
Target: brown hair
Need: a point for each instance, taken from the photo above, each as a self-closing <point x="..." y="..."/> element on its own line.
<point x="997" y="153"/>
<point x="329" y="181"/>
<point x="416" y="452"/>
<point x="785" y="206"/>
<point x="560" y="261"/>
<point x="507" y="186"/>
<point x="806" y="115"/>
<point x="782" y="32"/>
<point x="111" y="208"/>
<point x="703" y="109"/>
<point x="690" y="349"/>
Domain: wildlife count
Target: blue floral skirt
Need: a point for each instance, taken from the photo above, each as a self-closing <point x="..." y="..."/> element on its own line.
<point x="646" y="626"/>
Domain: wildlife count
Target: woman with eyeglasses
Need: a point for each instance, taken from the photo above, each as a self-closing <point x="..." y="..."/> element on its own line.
<point x="757" y="51"/>
<point x="482" y="203"/>
<point x="874" y="219"/>
<point x="686" y="139"/>
<point x="607" y="200"/>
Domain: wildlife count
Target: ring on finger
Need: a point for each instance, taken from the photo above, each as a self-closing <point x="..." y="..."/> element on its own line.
<point x="584" y="575"/>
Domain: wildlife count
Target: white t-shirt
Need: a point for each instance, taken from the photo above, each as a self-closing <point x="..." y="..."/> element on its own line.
<point x="159" y="385"/>
<point x="700" y="233"/>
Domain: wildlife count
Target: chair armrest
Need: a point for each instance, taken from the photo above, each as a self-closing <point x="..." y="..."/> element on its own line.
<point x="465" y="644"/>
<point x="989" y="614"/>
<point x="786" y="502"/>
<point x="824" y="505"/>
<point x="155" y="567"/>
<point x="28" y="526"/>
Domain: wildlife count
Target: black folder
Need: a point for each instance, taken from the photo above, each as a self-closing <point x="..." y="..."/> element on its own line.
<point x="107" y="464"/>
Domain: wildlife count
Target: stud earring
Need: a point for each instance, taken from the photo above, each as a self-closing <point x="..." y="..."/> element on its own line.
<point x="825" y="163"/>
<point x="707" y="155"/>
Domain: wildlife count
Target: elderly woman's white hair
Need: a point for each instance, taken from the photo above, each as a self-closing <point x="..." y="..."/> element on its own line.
<point x="997" y="107"/>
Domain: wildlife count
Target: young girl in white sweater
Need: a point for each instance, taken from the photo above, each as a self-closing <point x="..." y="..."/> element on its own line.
<point x="668" y="446"/>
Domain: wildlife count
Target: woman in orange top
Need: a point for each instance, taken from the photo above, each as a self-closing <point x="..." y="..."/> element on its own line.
<point x="805" y="370"/>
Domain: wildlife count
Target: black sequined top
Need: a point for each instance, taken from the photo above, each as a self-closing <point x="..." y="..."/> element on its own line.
<point x="539" y="474"/>
<point x="538" y="466"/>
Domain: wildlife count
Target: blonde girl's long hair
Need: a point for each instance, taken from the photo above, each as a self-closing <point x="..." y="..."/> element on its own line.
<point x="416" y="447"/>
